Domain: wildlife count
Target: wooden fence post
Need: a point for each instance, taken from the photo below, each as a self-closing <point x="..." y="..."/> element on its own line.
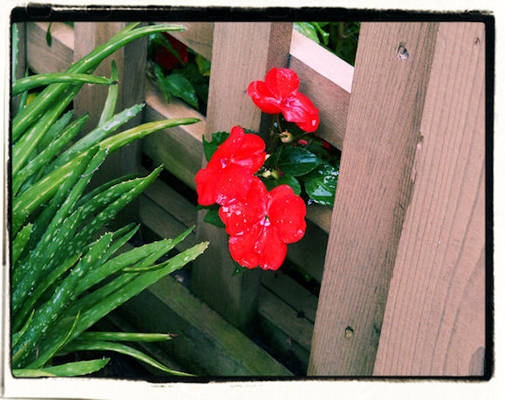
<point x="435" y="314"/>
<point x="130" y="61"/>
<point x="392" y="70"/>
<point x="241" y="53"/>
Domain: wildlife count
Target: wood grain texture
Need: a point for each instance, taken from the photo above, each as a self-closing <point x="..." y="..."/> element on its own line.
<point x="46" y="59"/>
<point x="254" y="48"/>
<point x="197" y="36"/>
<point x="435" y="314"/>
<point x="326" y="80"/>
<point x="374" y="190"/>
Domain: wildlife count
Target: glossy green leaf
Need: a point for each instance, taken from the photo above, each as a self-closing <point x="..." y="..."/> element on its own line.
<point x="286" y="179"/>
<point x="203" y="65"/>
<point x="69" y="369"/>
<point x="162" y="82"/>
<point x="212" y="217"/>
<point x="210" y="147"/>
<point x="297" y="161"/>
<point x="321" y="184"/>
<point x="307" y="29"/>
<point x="16" y="336"/>
<point x="182" y="88"/>
<point x="80" y="345"/>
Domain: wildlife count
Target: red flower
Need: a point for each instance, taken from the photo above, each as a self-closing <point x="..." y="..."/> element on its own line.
<point x="279" y="93"/>
<point x="262" y="223"/>
<point x="166" y="59"/>
<point x="228" y="174"/>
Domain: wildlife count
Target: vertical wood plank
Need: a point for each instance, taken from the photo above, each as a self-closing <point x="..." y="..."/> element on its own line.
<point x="130" y="61"/>
<point x="374" y="189"/>
<point x="435" y="315"/>
<point x="242" y="52"/>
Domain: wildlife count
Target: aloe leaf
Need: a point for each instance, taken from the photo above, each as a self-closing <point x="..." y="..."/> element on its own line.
<point x="55" y="130"/>
<point x="69" y="369"/>
<point x="118" y="291"/>
<point x="96" y="135"/>
<point x="14" y="54"/>
<point x="47" y="154"/>
<point x="19" y="243"/>
<point x="23" y="149"/>
<point x="40" y="192"/>
<point x="111" y="101"/>
<point x="45" y="357"/>
<point x="87" y="64"/>
<point x="41" y="287"/>
<point x="125" y="336"/>
<point x="22" y="102"/>
<point x="49" y="311"/>
<point x="141" y="257"/>
<point x="80" y="345"/>
<point x="123" y="138"/>
<point x="34" y="81"/>
<point x="112" y="209"/>
<point x="17" y="335"/>
<point x="102" y="188"/>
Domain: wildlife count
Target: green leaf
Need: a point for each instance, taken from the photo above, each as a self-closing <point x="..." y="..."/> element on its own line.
<point x="112" y="95"/>
<point x="17" y="335"/>
<point x="125" y="336"/>
<point x="80" y="345"/>
<point x="212" y="217"/>
<point x="297" y="161"/>
<point x="34" y="81"/>
<point x="55" y="130"/>
<point x="210" y="147"/>
<point x="87" y="64"/>
<point x="325" y="35"/>
<point x="49" y="38"/>
<point x="286" y="179"/>
<point x="162" y="81"/>
<point x="69" y="369"/>
<point x="160" y="40"/>
<point x="307" y="29"/>
<point x="203" y="65"/>
<point x="181" y="87"/>
<point x="321" y="184"/>
<point x="20" y="241"/>
<point x="118" y="291"/>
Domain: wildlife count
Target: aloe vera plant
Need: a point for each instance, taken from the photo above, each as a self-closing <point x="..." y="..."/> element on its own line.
<point x="66" y="272"/>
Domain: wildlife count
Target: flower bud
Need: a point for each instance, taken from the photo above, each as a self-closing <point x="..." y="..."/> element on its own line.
<point x="286" y="137"/>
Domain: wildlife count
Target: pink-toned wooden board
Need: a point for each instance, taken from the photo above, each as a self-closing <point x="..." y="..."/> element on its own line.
<point x="435" y="315"/>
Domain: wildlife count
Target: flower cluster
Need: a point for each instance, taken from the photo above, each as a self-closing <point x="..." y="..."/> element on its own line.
<point x="259" y="223"/>
<point x="255" y="197"/>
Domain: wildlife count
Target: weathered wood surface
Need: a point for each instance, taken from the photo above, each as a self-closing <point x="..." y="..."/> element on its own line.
<point x="197" y="36"/>
<point x="326" y="80"/>
<point x="255" y="47"/>
<point x="55" y="58"/>
<point x="382" y="132"/>
<point x="435" y="314"/>
<point x="207" y="345"/>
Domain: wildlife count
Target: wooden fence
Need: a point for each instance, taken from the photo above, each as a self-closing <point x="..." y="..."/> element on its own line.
<point x="402" y="283"/>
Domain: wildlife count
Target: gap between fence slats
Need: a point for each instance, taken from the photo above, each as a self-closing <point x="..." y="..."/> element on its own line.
<point x="435" y="314"/>
<point x="373" y="192"/>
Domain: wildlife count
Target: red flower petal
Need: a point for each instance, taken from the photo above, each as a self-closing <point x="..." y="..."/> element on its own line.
<point x="263" y="97"/>
<point x="299" y="109"/>
<point x="260" y="246"/>
<point x="205" y="186"/>
<point x="232" y="184"/>
<point x="287" y="214"/>
<point x="282" y="82"/>
<point x="240" y="216"/>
